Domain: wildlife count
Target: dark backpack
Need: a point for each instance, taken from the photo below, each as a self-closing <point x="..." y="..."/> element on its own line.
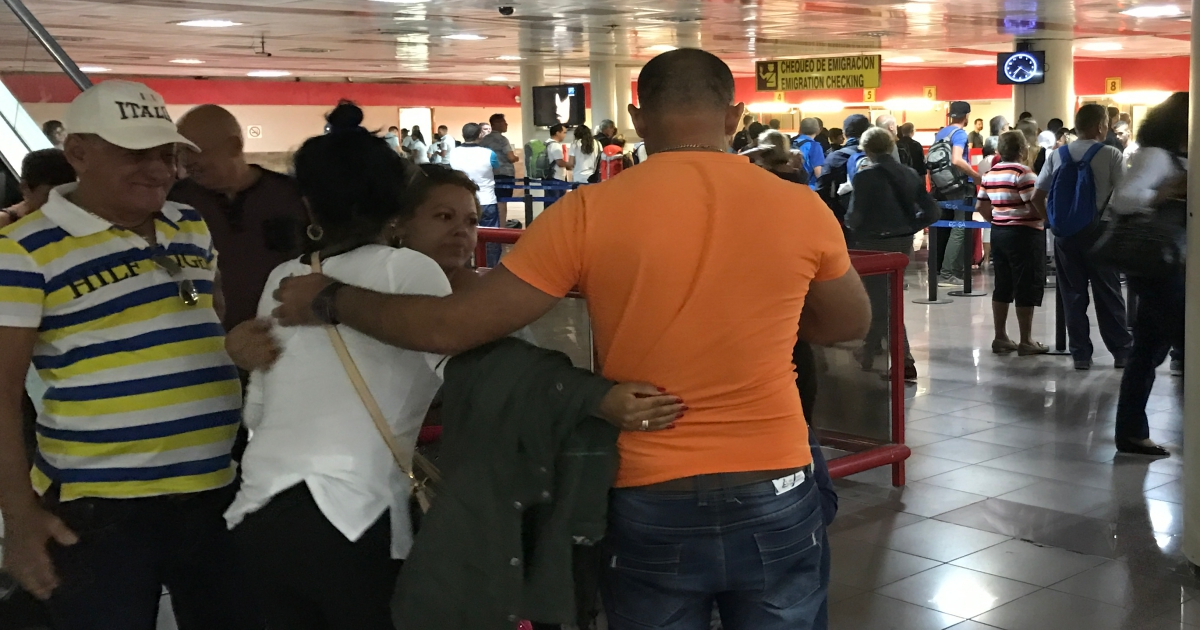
<point x="635" y="156"/>
<point x="837" y="166"/>
<point x="946" y="179"/>
<point x="1071" y="206"/>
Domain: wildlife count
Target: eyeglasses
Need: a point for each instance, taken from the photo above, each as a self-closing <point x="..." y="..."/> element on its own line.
<point x="187" y="288"/>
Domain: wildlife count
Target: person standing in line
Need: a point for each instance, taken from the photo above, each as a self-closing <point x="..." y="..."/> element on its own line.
<point x="1018" y="244"/>
<point x="506" y="156"/>
<point x="953" y="242"/>
<point x="1048" y="138"/>
<point x="393" y="138"/>
<point x="997" y="125"/>
<point x="479" y="163"/>
<point x="775" y="124"/>
<point x="405" y="143"/>
<point x="55" y="132"/>
<point x="742" y="139"/>
<point x="1074" y="268"/>
<point x="739" y="455"/>
<point x="814" y="155"/>
<point x="912" y="154"/>
<point x="885" y="194"/>
<point x="256" y="216"/>
<point x="41" y="172"/>
<point x="606" y="132"/>
<point x="837" y="140"/>
<point x="420" y="150"/>
<point x="109" y="291"/>
<point x="584" y="156"/>
<point x="439" y="151"/>
<point x="975" y="137"/>
<point x="822" y="136"/>
<point x="1110" y="138"/>
<point x="559" y="154"/>
<point x="1156" y="185"/>
<point x="887" y="122"/>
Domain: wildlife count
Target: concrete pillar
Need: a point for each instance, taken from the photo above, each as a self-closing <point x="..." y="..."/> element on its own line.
<point x="1191" y="396"/>
<point x="1056" y="97"/>
<point x="531" y="74"/>
<point x="602" y="45"/>
<point x="624" y="98"/>
<point x="687" y="34"/>
<point x="604" y="90"/>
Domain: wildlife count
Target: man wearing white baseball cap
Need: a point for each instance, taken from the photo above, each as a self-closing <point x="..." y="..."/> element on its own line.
<point x="109" y="290"/>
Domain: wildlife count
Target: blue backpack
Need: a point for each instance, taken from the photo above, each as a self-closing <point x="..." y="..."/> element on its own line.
<point x="1071" y="206"/>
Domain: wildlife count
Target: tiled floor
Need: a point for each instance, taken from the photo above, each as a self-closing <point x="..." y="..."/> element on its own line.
<point x="1018" y="513"/>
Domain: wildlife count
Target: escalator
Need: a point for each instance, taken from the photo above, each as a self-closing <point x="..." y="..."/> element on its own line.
<point x="31" y="62"/>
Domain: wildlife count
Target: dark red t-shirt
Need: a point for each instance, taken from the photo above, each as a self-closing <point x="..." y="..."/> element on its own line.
<point x="253" y="232"/>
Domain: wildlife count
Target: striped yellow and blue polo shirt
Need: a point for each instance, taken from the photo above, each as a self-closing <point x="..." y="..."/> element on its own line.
<point x="142" y="399"/>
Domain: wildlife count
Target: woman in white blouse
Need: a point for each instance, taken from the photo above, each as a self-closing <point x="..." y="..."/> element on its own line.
<point x="321" y="518"/>
<point x="584" y="156"/>
<point x="1156" y="184"/>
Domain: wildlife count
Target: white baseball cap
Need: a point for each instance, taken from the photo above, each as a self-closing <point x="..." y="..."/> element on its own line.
<point x="127" y="114"/>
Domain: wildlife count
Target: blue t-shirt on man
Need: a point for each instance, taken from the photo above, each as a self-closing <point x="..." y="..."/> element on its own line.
<point x="958" y="138"/>
<point x="814" y="156"/>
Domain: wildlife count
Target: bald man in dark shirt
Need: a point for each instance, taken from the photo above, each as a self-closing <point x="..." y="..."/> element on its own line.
<point x="256" y="216"/>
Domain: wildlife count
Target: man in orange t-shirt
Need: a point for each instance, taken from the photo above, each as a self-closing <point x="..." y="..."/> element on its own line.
<point x="696" y="266"/>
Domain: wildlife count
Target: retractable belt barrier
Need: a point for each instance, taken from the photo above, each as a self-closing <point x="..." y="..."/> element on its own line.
<point x="529" y="185"/>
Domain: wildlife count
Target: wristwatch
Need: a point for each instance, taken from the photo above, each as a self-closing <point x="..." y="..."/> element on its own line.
<point x="324" y="305"/>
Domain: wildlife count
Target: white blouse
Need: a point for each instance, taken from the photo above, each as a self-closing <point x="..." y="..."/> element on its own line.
<point x="308" y="424"/>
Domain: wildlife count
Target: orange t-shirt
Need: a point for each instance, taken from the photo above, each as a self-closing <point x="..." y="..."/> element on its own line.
<point x="695" y="266"/>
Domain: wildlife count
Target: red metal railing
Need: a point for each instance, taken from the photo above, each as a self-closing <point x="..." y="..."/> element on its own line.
<point x="866" y="453"/>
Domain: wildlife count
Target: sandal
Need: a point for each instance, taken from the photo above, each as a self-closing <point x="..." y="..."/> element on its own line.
<point x="1004" y="346"/>
<point x="1025" y="350"/>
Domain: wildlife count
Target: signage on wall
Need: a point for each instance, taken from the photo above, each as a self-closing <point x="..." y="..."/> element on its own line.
<point x="818" y="73"/>
<point x="1026" y="67"/>
<point x="1112" y="85"/>
<point x="254" y="131"/>
<point x="781" y="97"/>
<point x="930" y="92"/>
<point x="869" y="95"/>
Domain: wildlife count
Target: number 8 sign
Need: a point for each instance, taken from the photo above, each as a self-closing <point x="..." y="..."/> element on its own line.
<point x="1112" y="85"/>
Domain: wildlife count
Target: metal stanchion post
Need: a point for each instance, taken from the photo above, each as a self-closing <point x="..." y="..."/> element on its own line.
<point x="933" y="271"/>
<point x="528" y="202"/>
<point x="1060" y="325"/>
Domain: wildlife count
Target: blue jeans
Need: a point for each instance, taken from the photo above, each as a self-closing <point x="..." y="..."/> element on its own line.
<point x="491" y="218"/>
<point x="762" y="558"/>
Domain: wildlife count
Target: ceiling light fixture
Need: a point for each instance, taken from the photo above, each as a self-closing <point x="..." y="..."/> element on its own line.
<point x="1154" y="11"/>
<point x="208" y="23"/>
<point x="496" y="77"/>
<point x="268" y="74"/>
<point x="1101" y="47"/>
<point x="909" y="104"/>
<point x="465" y="37"/>
<point x="1141" y="97"/>
<point x="93" y="69"/>
<point x="822" y="107"/>
<point x="770" y="107"/>
<point x="188" y="62"/>
<point x="509" y="58"/>
<point x="904" y="60"/>
<point x="981" y="62"/>
<point x="402" y="1"/>
<point x="661" y="48"/>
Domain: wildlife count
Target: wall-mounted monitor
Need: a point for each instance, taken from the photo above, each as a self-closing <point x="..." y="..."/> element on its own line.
<point x="559" y="104"/>
<point x="1026" y="67"/>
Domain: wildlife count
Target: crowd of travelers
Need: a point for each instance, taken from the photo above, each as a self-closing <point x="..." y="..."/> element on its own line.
<point x="215" y="375"/>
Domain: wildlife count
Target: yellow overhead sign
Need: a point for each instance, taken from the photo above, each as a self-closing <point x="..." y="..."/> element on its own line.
<point x="1112" y="85"/>
<point x="869" y="95"/>
<point x="818" y="73"/>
